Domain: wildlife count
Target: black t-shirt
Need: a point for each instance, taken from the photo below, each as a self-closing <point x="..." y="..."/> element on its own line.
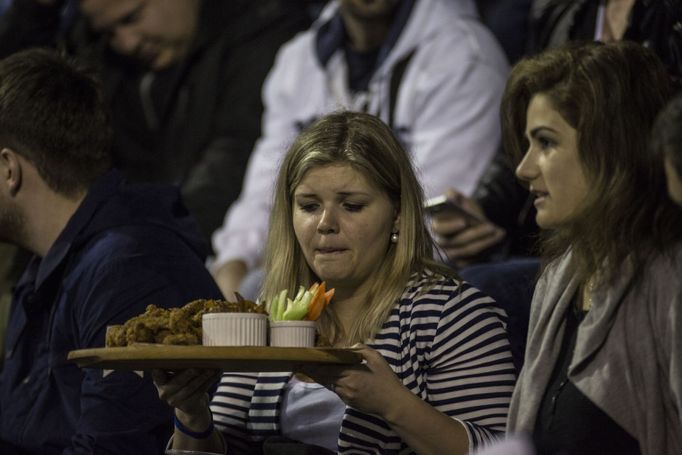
<point x="361" y="67"/>
<point x="568" y="422"/>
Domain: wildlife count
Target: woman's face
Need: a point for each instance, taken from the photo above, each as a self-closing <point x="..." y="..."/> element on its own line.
<point x="343" y="224"/>
<point x="551" y="165"/>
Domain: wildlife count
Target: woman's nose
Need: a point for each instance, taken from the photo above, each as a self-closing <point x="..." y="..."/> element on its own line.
<point x="526" y="170"/>
<point x="328" y="223"/>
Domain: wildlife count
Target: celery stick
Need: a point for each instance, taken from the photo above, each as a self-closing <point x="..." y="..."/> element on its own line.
<point x="281" y="300"/>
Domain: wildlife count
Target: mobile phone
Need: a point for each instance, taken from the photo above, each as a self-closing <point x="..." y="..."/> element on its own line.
<point x="441" y="204"/>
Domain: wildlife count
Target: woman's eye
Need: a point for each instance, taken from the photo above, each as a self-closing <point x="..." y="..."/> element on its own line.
<point x="308" y="208"/>
<point x="545" y="143"/>
<point x="353" y="207"/>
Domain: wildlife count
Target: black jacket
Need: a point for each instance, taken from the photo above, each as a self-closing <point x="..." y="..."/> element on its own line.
<point x="124" y="248"/>
<point x="657" y="24"/>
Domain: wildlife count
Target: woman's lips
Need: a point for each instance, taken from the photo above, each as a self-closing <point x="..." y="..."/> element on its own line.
<point x="540" y="197"/>
<point x="330" y="250"/>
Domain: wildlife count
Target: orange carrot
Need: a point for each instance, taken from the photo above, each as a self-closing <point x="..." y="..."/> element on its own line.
<point x="319" y="292"/>
<point x="317" y="303"/>
<point x="328" y="296"/>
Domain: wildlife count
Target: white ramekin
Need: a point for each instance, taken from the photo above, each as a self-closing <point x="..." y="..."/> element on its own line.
<point x="234" y="329"/>
<point x="300" y="334"/>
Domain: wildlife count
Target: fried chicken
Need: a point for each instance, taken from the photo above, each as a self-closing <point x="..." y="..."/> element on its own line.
<point x="176" y="325"/>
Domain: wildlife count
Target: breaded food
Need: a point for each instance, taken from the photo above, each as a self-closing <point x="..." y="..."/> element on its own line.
<point x="175" y="325"/>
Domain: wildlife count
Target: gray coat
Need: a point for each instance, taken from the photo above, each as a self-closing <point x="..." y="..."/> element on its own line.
<point x="628" y="354"/>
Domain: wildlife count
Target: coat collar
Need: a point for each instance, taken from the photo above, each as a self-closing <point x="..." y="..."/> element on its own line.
<point x="41" y="269"/>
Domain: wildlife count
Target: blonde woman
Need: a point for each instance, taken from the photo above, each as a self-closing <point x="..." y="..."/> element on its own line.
<point x="438" y="373"/>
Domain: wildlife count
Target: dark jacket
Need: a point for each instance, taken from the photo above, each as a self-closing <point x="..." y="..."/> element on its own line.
<point x="197" y="122"/>
<point x="657" y="24"/>
<point x="509" y="205"/>
<point x="124" y="248"/>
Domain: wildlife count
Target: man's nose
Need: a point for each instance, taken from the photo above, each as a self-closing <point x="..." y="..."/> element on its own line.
<point x="125" y="40"/>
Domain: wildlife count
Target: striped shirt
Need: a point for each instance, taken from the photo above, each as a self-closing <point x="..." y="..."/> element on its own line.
<point x="444" y="340"/>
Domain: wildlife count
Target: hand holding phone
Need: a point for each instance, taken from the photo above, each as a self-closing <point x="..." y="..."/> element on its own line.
<point x="447" y="206"/>
<point x="462" y="232"/>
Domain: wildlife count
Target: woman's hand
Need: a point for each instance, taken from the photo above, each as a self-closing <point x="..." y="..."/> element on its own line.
<point x="186" y="390"/>
<point x="463" y="241"/>
<point x="372" y="387"/>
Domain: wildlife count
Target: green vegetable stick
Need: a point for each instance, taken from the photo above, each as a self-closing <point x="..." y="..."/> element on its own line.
<point x="296" y="310"/>
<point x="282" y="301"/>
<point x="299" y="294"/>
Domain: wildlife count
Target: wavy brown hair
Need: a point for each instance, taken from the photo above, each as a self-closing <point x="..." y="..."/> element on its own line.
<point x="611" y="94"/>
<point x="369" y="146"/>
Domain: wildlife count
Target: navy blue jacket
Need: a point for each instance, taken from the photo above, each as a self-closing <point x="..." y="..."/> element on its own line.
<point x="123" y="249"/>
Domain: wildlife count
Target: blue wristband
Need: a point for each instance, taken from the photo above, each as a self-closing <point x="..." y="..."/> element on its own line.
<point x="193" y="434"/>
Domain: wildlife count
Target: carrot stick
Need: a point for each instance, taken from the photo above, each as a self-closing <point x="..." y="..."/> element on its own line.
<point x="328" y="296"/>
<point x="317" y="303"/>
<point x="319" y="292"/>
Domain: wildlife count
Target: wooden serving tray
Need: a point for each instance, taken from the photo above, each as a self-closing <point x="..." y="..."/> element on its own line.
<point x="225" y="358"/>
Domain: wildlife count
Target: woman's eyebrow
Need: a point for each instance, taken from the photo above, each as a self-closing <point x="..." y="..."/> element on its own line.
<point x="537" y="130"/>
<point x="339" y="193"/>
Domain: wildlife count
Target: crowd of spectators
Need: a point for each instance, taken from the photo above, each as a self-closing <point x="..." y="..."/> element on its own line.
<point x="182" y="130"/>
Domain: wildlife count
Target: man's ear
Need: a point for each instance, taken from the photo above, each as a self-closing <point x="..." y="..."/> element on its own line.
<point x="10" y="168"/>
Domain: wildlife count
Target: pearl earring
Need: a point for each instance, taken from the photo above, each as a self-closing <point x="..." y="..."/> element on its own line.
<point x="394" y="237"/>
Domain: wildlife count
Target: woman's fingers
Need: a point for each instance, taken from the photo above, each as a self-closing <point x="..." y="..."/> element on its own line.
<point x="185" y="387"/>
<point x="195" y="392"/>
<point x="160" y="377"/>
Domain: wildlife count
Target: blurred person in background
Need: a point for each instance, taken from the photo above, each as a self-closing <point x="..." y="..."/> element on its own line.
<point x="427" y="68"/>
<point x="656" y="24"/>
<point x="101" y="252"/>
<point x="183" y="78"/>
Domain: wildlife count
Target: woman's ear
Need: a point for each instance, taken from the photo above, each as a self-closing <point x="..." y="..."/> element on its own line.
<point x="396" y="222"/>
<point x="10" y="170"/>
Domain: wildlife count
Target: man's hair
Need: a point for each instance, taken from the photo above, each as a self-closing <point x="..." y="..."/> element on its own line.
<point x="54" y="114"/>
<point x="611" y="94"/>
<point x="368" y="145"/>
<point x="667" y="134"/>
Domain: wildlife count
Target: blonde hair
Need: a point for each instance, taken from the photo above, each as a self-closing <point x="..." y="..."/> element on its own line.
<point x="368" y="145"/>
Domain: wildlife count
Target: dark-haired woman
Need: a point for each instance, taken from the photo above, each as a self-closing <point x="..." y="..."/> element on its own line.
<point x="603" y="371"/>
